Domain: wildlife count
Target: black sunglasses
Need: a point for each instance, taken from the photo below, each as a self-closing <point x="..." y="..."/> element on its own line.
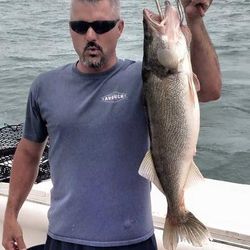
<point x="100" y="27"/>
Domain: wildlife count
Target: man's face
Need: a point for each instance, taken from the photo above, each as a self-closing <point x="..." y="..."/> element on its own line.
<point x="96" y="51"/>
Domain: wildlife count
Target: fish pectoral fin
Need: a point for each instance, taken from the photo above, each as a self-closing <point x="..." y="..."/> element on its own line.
<point x="196" y="82"/>
<point x="194" y="176"/>
<point x="194" y="86"/>
<point x="147" y="170"/>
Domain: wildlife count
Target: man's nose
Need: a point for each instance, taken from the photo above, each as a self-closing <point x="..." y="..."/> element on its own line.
<point x="91" y="34"/>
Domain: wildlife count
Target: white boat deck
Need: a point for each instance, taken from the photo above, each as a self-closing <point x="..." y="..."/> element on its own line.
<point x="224" y="207"/>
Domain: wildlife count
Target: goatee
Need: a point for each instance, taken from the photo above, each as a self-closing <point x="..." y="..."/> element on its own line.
<point x="93" y="62"/>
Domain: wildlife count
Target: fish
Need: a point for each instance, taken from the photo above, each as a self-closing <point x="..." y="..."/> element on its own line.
<point x="172" y="108"/>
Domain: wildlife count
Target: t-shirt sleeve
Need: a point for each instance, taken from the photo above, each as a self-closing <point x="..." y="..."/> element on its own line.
<point x="35" y="128"/>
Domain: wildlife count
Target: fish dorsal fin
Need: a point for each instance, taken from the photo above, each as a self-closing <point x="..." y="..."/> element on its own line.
<point x="194" y="176"/>
<point x="147" y="170"/>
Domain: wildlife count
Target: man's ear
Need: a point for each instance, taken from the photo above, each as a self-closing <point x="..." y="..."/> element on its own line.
<point x="121" y="26"/>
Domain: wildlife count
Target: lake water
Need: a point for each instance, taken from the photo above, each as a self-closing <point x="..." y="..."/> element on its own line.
<point x="34" y="37"/>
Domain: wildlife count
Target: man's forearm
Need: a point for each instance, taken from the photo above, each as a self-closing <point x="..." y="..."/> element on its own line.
<point x="23" y="175"/>
<point x="205" y="62"/>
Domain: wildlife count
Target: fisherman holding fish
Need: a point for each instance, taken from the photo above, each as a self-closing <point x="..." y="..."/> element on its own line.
<point x="94" y="115"/>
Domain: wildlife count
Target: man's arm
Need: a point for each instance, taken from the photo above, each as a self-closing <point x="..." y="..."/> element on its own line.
<point x="23" y="174"/>
<point x="204" y="59"/>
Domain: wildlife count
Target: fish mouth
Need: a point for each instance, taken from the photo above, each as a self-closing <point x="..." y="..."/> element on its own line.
<point x="152" y="18"/>
<point x="157" y="21"/>
<point x="167" y="22"/>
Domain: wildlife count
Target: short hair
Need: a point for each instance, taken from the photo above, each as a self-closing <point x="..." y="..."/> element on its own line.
<point x="115" y="4"/>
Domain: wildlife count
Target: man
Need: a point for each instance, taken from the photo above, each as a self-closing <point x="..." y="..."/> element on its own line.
<point x="93" y="114"/>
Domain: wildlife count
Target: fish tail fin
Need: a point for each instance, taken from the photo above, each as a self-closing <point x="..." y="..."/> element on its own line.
<point x="190" y="230"/>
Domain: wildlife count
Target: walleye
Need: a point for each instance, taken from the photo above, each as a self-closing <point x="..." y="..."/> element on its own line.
<point x="169" y="88"/>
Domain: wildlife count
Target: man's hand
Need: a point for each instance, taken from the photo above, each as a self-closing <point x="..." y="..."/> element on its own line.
<point x="195" y="8"/>
<point x="12" y="235"/>
<point x="23" y="174"/>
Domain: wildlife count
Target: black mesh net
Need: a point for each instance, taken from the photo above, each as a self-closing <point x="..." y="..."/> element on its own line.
<point x="10" y="135"/>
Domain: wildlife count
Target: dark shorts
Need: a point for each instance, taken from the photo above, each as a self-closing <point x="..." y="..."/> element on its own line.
<point x="52" y="244"/>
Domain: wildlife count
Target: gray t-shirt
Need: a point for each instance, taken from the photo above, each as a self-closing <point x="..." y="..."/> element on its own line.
<point x="98" y="136"/>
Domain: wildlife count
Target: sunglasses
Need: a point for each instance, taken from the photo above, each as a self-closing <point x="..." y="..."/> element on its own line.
<point x="100" y="27"/>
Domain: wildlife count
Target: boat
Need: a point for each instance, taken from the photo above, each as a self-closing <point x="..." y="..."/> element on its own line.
<point x="224" y="207"/>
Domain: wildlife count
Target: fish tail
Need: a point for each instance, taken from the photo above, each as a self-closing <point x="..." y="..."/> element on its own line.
<point x="190" y="230"/>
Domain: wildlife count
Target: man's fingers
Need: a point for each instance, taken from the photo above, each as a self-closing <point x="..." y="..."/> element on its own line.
<point x="201" y="10"/>
<point x="201" y="5"/>
<point x="10" y="246"/>
<point x="20" y="243"/>
<point x="205" y="2"/>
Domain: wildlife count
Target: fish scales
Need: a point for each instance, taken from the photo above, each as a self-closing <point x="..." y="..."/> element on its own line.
<point x="173" y="116"/>
<point x="169" y="135"/>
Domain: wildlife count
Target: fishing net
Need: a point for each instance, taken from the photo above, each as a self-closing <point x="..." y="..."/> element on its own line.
<point x="10" y="135"/>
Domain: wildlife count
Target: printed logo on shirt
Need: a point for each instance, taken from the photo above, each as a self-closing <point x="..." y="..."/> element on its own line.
<point x="114" y="97"/>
